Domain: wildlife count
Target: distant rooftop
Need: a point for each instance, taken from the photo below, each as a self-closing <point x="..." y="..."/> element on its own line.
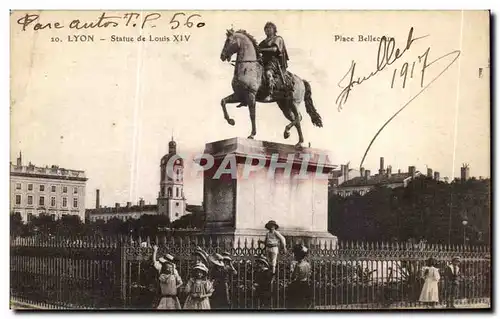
<point x="122" y="209"/>
<point x="128" y="208"/>
<point x="378" y="179"/>
<point x="53" y="171"/>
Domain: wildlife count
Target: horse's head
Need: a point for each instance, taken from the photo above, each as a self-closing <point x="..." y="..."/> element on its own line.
<point x="230" y="46"/>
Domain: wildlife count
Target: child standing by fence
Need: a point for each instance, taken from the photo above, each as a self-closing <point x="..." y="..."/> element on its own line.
<point x="273" y="242"/>
<point x="262" y="285"/>
<point x="430" y="292"/>
<point x="452" y="276"/>
<point x="169" y="280"/>
<point x="299" y="291"/>
<point x="198" y="289"/>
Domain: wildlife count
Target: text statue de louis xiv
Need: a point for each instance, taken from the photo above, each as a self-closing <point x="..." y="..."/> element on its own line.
<point x="260" y="75"/>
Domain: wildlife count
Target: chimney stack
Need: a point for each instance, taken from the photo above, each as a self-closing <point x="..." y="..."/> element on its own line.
<point x="436" y="176"/>
<point x="129" y="204"/>
<point x="399" y="171"/>
<point x="117" y="205"/>
<point x="367" y="174"/>
<point x="346" y="172"/>
<point x="411" y="170"/>
<point x="20" y="160"/>
<point x="141" y="202"/>
<point x="342" y="170"/>
<point x="389" y="170"/>
<point x="464" y="172"/>
<point x="381" y="170"/>
<point x="362" y="171"/>
<point x="429" y="172"/>
<point x="97" y="199"/>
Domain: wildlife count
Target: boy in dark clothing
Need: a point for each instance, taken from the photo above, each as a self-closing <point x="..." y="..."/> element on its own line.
<point x="299" y="291"/>
<point x="263" y="279"/>
<point x="452" y="276"/>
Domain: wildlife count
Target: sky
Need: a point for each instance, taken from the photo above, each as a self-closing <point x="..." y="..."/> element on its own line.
<point x="110" y="108"/>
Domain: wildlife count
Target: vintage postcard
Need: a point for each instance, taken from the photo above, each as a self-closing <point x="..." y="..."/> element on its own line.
<point x="207" y="160"/>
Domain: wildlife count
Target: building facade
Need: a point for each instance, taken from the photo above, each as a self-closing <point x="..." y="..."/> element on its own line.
<point x="171" y="200"/>
<point x="365" y="181"/>
<point x="47" y="190"/>
<point x="123" y="213"/>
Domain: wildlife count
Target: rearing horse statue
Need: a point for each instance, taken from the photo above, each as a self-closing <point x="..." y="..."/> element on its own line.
<point x="248" y="85"/>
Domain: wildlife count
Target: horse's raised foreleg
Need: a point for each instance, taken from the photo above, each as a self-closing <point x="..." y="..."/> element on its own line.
<point x="228" y="99"/>
<point x="251" y="109"/>
<point x="284" y="105"/>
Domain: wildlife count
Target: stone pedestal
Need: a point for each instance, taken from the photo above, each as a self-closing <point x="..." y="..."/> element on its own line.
<point x="251" y="182"/>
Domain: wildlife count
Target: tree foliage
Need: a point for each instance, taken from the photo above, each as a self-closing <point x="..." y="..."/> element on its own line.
<point x="425" y="209"/>
<point x="71" y="225"/>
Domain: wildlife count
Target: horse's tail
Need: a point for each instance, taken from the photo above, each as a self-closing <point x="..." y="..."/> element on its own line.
<point x="311" y="110"/>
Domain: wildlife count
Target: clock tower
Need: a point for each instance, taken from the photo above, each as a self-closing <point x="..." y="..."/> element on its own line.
<point x="171" y="200"/>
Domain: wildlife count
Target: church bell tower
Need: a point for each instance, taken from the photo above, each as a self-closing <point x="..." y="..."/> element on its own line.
<point x="171" y="200"/>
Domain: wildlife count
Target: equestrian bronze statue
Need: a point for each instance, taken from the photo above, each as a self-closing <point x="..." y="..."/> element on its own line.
<point x="260" y="75"/>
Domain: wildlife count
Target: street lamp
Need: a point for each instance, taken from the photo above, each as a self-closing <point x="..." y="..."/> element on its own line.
<point x="464" y="222"/>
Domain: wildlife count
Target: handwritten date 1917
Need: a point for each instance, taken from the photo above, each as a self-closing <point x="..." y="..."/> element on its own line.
<point x="131" y="19"/>
<point x="387" y="54"/>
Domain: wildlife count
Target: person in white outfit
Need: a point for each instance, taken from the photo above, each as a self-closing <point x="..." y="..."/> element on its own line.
<point x="273" y="242"/>
<point x="430" y="290"/>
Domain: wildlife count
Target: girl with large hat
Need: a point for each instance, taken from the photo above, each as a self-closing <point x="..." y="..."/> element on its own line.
<point x="221" y="272"/>
<point x="199" y="289"/>
<point x="169" y="281"/>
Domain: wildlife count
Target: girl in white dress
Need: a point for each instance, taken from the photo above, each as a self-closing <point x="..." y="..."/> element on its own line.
<point x="199" y="289"/>
<point x="430" y="291"/>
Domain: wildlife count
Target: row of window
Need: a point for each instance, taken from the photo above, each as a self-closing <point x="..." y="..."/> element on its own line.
<point x="53" y="188"/>
<point x="169" y="192"/>
<point x="31" y="215"/>
<point x="178" y="175"/>
<point x="41" y="201"/>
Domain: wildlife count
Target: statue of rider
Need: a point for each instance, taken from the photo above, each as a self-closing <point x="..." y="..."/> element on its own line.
<point x="274" y="57"/>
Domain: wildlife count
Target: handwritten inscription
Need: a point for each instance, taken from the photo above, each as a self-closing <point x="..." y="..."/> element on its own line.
<point x="387" y="55"/>
<point x="130" y="19"/>
<point x="453" y="56"/>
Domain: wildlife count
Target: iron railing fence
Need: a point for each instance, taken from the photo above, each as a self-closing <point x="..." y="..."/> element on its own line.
<point x="104" y="273"/>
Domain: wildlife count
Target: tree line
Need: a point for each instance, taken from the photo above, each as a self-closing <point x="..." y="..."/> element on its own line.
<point x="71" y="225"/>
<point x="426" y="209"/>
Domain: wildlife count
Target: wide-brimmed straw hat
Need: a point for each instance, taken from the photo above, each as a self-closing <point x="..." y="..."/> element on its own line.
<point x="217" y="259"/>
<point x="271" y="223"/>
<point x="200" y="253"/>
<point x="226" y="256"/>
<point x="166" y="259"/>
<point x="201" y="267"/>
